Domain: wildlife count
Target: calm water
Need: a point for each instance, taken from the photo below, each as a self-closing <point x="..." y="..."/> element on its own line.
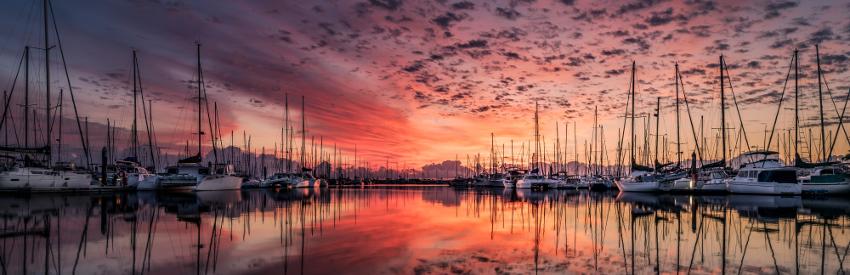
<point x="404" y="230"/>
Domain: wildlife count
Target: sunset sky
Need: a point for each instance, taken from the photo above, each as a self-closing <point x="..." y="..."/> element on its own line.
<point x="421" y="81"/>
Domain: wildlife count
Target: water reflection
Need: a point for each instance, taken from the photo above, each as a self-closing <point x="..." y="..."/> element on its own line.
<point x="420" y="230"/>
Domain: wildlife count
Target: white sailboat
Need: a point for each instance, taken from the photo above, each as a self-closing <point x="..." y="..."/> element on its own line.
<point x="640" y="178"/>
<point x="33" y="170"/>
<point x="534" y="178"/>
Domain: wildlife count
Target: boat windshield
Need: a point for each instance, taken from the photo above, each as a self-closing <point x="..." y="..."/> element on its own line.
<point x="778" y="176"/>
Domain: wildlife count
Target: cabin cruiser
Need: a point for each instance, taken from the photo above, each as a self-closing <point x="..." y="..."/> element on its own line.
<point x="764" y="175"/>
<point x="182" y="177"/>
<point x="825" y="180"/>
<point x="535" y="180"/>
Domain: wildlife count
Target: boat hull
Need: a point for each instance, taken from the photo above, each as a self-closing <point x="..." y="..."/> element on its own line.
<point x="763" y="188"/>
<point x="219" y="182"/>
<point x="43" y="180"/>
<point x="638" y="186"/>
<point x="826" y="188"/>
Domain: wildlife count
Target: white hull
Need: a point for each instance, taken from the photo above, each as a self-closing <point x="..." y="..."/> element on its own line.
<point x="682" y="185"/>
<point x="763" y="188"/>
<point x="219" y="182"/>
<point x="44" y="180"/>
<point x="638" y="186"/>
<point x="170" y="182"/>
<point x="527" y="184"/>
<point x="714" y="187"/>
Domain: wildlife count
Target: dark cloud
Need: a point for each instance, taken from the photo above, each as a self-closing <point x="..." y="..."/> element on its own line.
<point x="416" y="66"/>
<point x="773" y="9"/>
<point x="834" y="59"/>
<point x="754" y="64"/>
<point x="478" y="43"/>
<point x="447" y="19"/>
<point x="822" y="35"/>
<point x="664" y="17"/>
<point x="463" y="5"/>
<point x="509" y="13"/>
<point x="615" y="72"/>
<point x="613" y="52"/>
<point x="637" y="6"/>
<point x="781" y="43"/>
<point x="640" y="42"/>
<point x="386" y="4"/>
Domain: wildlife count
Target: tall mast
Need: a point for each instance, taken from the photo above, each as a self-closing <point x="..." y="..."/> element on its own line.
<point x="632" y="134"/>
<point x="722" y="111"/>
<point x="796" y="99"/>
<point x="678" y="142"/>
<point x="492" y="154"/>
<point x="200" y="82"/>
<point x="47" y="80"/>
<point x="657" y="128"/>
<point x="820" y="106"/>
<point x="26" y="97"/>
<point x="59" y="143"/>
<point x="536" y="138"/>
<point x="595" y="135"/>
<point x="288" y="140"/>
<point x="303" y="133"/>
<point x="135" y="136"/>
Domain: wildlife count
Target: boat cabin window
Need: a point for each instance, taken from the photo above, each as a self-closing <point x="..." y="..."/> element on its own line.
<point x="779" y="176"/>
<point x="827" y="172"/>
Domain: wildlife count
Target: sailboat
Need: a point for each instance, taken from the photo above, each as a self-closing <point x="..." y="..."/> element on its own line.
<point x="220" y="176"/>
<point x="282" y="178"/>
<point x="764" y="174"/>
<point x="305" y="179"/>
<point x="641" y="178"/>
<point x="134" y="172"/>
<point x="826" y="177"/>
<point x="594" y="180"/>
<point x="34" y="170"/>
<point x="534" y="178"/>
<point x="710" y="178"/>
<point x="496" y="178"/>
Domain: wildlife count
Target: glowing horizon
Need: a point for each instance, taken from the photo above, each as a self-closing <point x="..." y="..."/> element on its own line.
<point x="420" y="82"/>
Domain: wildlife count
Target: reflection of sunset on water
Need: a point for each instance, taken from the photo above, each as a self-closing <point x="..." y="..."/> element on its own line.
<point x="422" y="230"/>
